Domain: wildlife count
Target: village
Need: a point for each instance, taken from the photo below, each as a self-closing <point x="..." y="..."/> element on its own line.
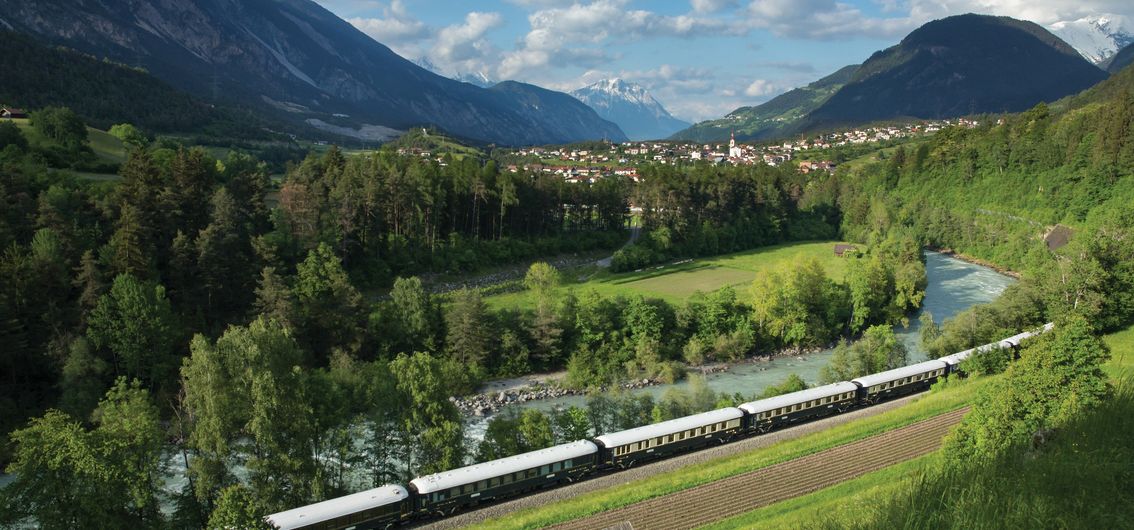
<point x="623" y="159"/>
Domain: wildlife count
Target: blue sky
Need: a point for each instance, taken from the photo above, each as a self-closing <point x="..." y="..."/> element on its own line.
<point x="700" y="58"/>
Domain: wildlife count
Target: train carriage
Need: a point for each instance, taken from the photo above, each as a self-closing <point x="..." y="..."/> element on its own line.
<point x="899" y="381"/>
<point x="450" y="491"/>
<point x="767" y="414"/>
<point x="626" y="448"/>
<point x="375" y="508"/>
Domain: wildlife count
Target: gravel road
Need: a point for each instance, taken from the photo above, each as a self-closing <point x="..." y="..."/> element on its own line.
<point x="623" y="477"/>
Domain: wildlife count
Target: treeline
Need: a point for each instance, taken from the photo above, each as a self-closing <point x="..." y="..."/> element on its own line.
<point x="702" y="210"/>
<point x="386" y="215"/>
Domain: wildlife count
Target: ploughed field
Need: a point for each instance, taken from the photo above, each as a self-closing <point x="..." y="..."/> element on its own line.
<point x="675" y="281"/>
<point x="742" y="493"/>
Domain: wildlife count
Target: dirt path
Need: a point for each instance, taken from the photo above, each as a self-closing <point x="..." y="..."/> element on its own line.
<point x="743" y="493"/>
<point x="663" y="466"/>
<point x="635" y="231"/>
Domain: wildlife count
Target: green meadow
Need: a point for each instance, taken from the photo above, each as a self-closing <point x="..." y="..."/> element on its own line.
<point x="676" y="281"/>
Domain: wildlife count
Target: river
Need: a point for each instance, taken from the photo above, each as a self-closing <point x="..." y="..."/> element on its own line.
<point x="953" y="286"/>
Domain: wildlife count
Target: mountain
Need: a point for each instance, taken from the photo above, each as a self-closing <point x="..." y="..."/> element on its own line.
<point x="1097" y="38"/>
<point x="105" y="93"/>
<point x="1120" y="60"/>
<point x="479" y="79"/>
<point x="571" y="114"/>
<point x="772" y="117"/>
<point x="956" y="66"/>
<point x="630" y="106"/>
<point x="296" y="59"/>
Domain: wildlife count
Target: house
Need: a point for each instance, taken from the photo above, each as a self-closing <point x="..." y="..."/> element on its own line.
<point x="12" y="113"/>
<point x="842" y="250"/>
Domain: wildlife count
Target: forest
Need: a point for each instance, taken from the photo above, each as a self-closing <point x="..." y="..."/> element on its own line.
<point x="194" y="304"/>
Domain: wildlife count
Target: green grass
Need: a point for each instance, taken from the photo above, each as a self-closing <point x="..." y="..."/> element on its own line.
<point x="676" y="283"/>
<point x="855" y="500"/>
<point x="953" y="396"/>
<point x="1121" y="353"/>
<point x="102" y="143"/>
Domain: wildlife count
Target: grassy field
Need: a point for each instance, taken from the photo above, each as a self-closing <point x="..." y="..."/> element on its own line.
<point x="103" y="144"/>
<point x="675" y="283"/>
<point x="939" y="401"/>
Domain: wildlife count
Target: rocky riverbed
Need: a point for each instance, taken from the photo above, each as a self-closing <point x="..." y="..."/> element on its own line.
<point x="524" y="390"/>
<point x="488" y="403"/>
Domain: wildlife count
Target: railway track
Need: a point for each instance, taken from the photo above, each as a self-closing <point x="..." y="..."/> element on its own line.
<point x="743" y="493"/>
<point x="612" y="480"/>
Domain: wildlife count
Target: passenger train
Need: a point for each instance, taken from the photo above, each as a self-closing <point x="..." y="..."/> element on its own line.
<point x="446" y="493"/>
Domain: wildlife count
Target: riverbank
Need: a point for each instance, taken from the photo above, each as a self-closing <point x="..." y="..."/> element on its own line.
<point x="976" y="261"/>
<point x="495" y="395"/>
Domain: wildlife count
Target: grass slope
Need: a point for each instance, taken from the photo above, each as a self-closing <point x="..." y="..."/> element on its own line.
<point x="951" y="397"/>
<point x="102" y="143"/>
<point x="676" y="283"/>
<point x="1082" y="447"/>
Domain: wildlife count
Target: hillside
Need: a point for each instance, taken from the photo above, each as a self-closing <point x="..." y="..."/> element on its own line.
<point x="105" y="93"/>
<point x="630" y="106"/>
<point x="1121" y="60"/>
<point x="772" y="118"/>
<point x="961" y="65"/>
<point x="295" y="59"/>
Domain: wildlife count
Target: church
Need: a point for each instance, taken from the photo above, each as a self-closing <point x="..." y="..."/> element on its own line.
<point x="733" y="149"/>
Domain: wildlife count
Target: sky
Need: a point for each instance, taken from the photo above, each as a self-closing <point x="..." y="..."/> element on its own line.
<point x="699" y="58"/>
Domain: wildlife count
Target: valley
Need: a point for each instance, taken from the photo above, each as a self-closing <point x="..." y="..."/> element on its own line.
<point x="290" y="264"/>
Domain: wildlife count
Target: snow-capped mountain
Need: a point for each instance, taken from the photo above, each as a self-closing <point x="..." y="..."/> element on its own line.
<point x="1097" y="37"/>
<point x="479" y="79"/>
<point x="630" y="106"/>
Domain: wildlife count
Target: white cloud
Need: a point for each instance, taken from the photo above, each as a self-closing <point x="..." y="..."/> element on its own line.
<point x="397" y="28"/>
<point x="577" y="35"/>
<point x="711" y="6"/>
<point x="463" y="47"/>
<point x="760" y="88"/>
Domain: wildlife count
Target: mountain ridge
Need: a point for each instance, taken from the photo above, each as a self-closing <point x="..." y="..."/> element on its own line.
<point x="957" y="66"/>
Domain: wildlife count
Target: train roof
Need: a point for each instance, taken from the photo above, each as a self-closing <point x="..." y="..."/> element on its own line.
<point x="337" y="507"/>
<point x="630" y="436"/>
<point x="1009" y="342"/>
<point x="503" y="466"/>
<point x="899" y="373"/>
<point x="1015" y="340"/>
<point x="819" y="392"/>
